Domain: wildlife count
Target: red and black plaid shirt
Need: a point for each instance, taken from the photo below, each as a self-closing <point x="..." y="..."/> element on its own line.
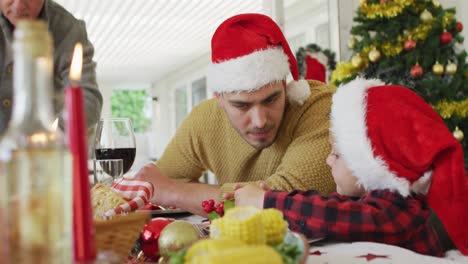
<point x="380" y="216"/>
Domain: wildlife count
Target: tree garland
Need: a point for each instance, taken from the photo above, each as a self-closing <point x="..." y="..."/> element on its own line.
<point x="384" y="9"/>
<point x="448" y="109"/>
<point x="301" y="55"/>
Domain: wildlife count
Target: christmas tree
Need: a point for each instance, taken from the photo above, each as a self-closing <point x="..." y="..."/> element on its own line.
<point x="416" y="44"/>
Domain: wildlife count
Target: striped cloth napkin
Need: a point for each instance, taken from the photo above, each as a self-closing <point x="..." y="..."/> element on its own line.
<point x="136" y="192"/>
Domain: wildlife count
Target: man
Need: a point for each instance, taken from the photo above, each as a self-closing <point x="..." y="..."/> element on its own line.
<point x="256" y="129"/>
<point x="66" y="31"/>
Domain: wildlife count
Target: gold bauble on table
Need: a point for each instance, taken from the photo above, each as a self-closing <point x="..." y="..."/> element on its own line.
<point x="176" y="236"/>
<point x="438" y="69"/>
<point x="374" y="55"/>
<point x="451" y="68"/>
<point x="426" y="16"/>
<point x="356" y="61"/>
<point x="458" y="134"/>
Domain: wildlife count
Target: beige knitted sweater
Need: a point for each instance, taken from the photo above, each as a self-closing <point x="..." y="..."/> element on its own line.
<point x="206" y="141"/>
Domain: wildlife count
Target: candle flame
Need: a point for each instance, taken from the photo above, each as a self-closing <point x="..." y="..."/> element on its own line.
<point x="38" y="138"/>
<point x="77" y="63"/>
<point x="54" y="125"/>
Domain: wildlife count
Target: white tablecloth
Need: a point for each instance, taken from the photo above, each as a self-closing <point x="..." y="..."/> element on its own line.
<point x="366" y="252"/>
<point x="374" y="253"/>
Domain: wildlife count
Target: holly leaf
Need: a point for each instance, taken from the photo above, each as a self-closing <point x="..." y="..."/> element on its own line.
<point x="178" y="257"/>
<point x="213" y="215"/>
<point x="228" y="204"/>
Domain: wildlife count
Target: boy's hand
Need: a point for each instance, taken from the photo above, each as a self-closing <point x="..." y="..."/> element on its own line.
<point x="230" y="195"/>
<point x="250" y="195"/>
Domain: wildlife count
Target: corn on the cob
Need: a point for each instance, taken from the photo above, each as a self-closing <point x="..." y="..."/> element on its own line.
<point x="274" y="225"/>
<point x="211" y="246"/>
<point x="216" y="227"/>
<point x="244" y="224"/>
<point x="258" y="254"/>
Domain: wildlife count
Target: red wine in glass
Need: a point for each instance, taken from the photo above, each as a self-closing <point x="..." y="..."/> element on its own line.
<point x="115" y="140"/>
<point x="126" y="154"/>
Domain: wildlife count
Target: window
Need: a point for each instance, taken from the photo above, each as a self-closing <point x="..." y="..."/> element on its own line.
<point x="132" y="104"/>
<point x="181" y="107"/>
<point x="322" y="35"/>
<point x="198" y="91"/>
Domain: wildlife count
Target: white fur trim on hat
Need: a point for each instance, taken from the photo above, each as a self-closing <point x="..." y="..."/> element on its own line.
<point x="422" y="184"/>
<point x="249" y="72"/>
<point x="298" y="91"/>
<point x="348" y="125"/>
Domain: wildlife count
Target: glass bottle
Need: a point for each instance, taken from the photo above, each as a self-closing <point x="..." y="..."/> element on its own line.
<point x="33" y="157"/>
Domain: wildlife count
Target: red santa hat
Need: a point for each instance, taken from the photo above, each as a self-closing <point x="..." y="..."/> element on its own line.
<point x="250" y="51"/>
<point x="315" y="70"/>
<point x="391" y="138"/>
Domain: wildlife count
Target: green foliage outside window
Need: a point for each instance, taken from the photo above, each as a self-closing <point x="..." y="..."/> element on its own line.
<point x="131" y="104"/>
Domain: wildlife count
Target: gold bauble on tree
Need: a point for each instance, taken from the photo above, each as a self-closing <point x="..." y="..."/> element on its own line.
<point x="374" y="55"/>
<point x="458" y="134"/>
<point x="363" y="2"/>
<point x="436" y="3"/>
<point x="426" y="16"/>
<point x="352" y="42"/>
<point x="176" y="236"/>
<point x="451" y="68"/>
<point x="356" y="61"/>
<point x="438" y="69"/>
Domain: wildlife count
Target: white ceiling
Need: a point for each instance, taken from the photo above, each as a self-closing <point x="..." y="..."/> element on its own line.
<point x="142" y="40"/>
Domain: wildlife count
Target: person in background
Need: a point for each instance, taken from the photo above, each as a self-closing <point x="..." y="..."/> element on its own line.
<point x="66" y="31"/>
<point x="315" y="70"/>
<point x="257" y="128"/>
<point x="399" y="174"/>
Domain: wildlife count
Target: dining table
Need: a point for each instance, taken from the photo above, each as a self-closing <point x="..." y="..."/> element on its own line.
<point x="330" y="252"/>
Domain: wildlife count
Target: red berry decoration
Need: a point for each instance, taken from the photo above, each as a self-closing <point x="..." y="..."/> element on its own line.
<point x="416" y="71"/>
<point x="150" y="236"/>
<point x="216" y="210"/>
<point x="410" y="44"/>
<point x="211" y="203"/>
<point x="446" y="37"/>
<point x="459" y="26"/>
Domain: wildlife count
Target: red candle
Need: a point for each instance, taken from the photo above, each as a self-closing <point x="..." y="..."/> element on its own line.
<point x="83" y="228"/>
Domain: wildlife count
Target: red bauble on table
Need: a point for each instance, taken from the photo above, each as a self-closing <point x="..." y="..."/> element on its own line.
<point x="150" y="236"/>
<point x="459" y="26"/>
<point x="446" y="37"/>
<point x="416" y="71"/>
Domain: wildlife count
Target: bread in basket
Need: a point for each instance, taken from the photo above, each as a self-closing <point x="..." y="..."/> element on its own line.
<point x="119" y="233"/>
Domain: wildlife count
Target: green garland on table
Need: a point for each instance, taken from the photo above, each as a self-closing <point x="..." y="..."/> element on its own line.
<point x="301" y="55"/>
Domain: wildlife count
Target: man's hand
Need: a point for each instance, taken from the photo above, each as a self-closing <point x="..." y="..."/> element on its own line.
<point x="152" y="174"/>
<point x="136" y="192"/>
<point x="250" y="195"/>
<point x="169" y="192"/>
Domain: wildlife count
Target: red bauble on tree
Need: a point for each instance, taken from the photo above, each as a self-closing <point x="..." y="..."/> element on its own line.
<point x="150" y="236"/>
<point x="416" y="71"/>
<point x="410" y="44"/>
<point x="459" y="26"/>
<point x="446" y="37"/>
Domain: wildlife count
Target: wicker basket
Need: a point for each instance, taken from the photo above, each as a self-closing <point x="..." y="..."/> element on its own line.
<point x="120" y="233"/>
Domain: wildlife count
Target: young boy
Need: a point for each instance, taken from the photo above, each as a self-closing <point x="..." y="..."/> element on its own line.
<point x="399" y="174"/>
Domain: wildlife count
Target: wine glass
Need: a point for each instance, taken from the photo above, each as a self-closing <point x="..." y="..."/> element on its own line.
<point x="107" y="171"/>
<point x="115" y="140"/>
